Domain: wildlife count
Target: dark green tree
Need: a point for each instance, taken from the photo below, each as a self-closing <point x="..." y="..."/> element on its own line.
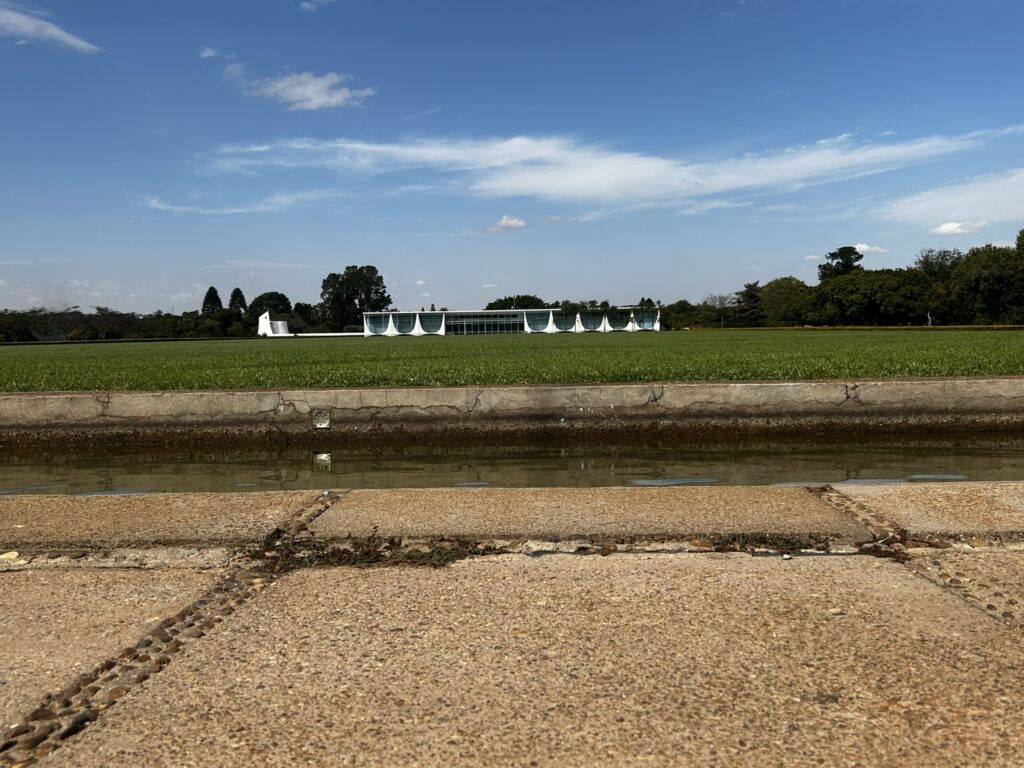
<point x="786" y="301"/>
<point x="840" y="262"/>
<point x="237" y="302"/>
<point x="519" y="301"/>
<point x="211" y="301"/>
<point x="273" y="302"/>
<point x="347" y="295"/>
<point x="749" y="311"/>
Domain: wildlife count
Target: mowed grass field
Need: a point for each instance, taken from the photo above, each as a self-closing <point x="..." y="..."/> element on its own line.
<point x="753" y="355"/>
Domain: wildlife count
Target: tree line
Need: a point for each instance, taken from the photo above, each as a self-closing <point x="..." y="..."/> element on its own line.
<point x="983" y="286"/>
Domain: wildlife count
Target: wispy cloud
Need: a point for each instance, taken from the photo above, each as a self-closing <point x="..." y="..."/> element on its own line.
<point x="959" y="209"/>
<point x="812" y="258"/>
<point x="313" y="5"/>
<point x="15" y="22"/>
<point x="489" y="285"/>
<point x="865" y="248"/>
<point x="421" y="282"/>
<point x="300" y="91"/>
<point x="280" y="201"/>
<point x="424" y="113"/>
<point x="565" y="169"/>
<point x="306" y="91"/>
<point x="959" y="227"/>
<point x="508" y="223"/>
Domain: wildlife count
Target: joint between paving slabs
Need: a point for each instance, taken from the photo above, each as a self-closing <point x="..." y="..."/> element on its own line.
<point x="893" y="542"/>
<point x="59" y="716"/>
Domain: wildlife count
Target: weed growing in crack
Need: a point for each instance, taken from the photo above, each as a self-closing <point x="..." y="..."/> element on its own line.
<point x="289" y="553"/>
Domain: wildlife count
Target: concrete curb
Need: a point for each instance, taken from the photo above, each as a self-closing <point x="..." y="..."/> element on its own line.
<point x="994" y="403"/>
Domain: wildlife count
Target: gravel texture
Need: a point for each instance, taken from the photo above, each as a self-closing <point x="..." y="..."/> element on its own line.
<point x="991" y="580"/>
<point x="55" y="625"/>
<point x="169" y="519"/>
<point x="557" y="513"/>
<point x="626" y="659"/>
<point x="992" y="510"/>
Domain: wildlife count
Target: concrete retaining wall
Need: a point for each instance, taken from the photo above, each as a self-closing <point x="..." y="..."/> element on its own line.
<point x="979" y="404"/>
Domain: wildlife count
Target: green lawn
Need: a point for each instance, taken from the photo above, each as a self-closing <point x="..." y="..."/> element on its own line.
<point x="527" y="359"/>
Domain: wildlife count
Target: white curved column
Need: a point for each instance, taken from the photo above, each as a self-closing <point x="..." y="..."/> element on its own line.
<point x="605" y="326"/>
<point x="551" y="327"/>
<point x="391" y="330"/>
<point x="366" y="327"/>
<point x="657" y="321"/>
<point x="264" y="328"/>
<point x="526" y="324"/>
<point x="578" y="327"/>
<point x="417" y="329"/>
<point x="444" y="319"/>
<point x="631" y="325"/>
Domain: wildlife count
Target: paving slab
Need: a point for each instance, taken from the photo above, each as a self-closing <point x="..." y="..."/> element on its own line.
<point x="167" y="519"/>
<point x="546" y="513"/>
<point x="56" y="625"/>
<point x="956" y="510"/>
<point x="622" y="660"/>
<point x="992" y="580"/>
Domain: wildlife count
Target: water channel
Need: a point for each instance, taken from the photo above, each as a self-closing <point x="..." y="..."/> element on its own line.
<point x="114" y="470"/>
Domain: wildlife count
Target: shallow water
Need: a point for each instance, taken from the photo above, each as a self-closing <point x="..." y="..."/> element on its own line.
<point x="739" y="463"/>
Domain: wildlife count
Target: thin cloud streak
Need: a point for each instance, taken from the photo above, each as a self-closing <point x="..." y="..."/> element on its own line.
<point x="16" y="23"/>
<point x="563" y="169"/>
<point x="280" y="201"/>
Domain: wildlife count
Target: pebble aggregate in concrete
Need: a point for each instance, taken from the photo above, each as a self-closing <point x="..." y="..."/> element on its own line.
<point x="628" y="659"/>
<point x="59" y="716"/>
<point x="46" y="523"/>
<point x="971" y="512"/>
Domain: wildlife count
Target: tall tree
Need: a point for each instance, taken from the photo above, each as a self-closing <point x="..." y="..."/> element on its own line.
<point x="786" y="301"/>
<point x="237" y="302"/>
<point x="840" y="262"/>
<point x="273" y="302"/>
<point x="211" y="301"/>
<point x="749" y="311"/>
<point x="348" y="295"/>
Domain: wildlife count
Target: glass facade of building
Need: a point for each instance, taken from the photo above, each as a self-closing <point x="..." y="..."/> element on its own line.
<point x="509" y="321"/>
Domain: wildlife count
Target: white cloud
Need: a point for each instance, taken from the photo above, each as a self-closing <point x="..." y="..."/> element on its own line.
<point x="489" y="285"/>
<point x="958" y="227"/>
<point x="208" y="53"/>
<point x="2" y="282"/>
<point x="277" y="202"/>
<point x="306" y="91"/>
<point x="865" y="248"/>
<point x="234" y="70"/>
<point x="565" y="169"/>
<point x="421" y="282"/>
<point x="812" y="258"/>
<point x="17" y="23"/>
<point x="966" y="207"/>
<point x="312" y="5"/>
<point x="425" y="294"/>
<point x="507" y="223"/>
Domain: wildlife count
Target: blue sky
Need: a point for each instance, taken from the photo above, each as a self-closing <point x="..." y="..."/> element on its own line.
<point x="476" y="149"/>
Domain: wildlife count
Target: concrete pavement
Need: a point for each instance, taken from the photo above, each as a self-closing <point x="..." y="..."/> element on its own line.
<point x="684" y="658"/>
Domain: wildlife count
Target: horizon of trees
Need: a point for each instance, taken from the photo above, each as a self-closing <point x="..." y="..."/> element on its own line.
<point x="984" y="286"/>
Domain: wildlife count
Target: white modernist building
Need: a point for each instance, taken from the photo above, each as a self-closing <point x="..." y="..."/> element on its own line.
<point x="449" y="323"/>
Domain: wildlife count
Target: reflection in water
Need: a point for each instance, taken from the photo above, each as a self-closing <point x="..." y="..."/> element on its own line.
<point x="739" y="463"/>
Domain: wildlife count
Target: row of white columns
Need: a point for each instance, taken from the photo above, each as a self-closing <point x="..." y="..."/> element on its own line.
<point x="603" y="327"/>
